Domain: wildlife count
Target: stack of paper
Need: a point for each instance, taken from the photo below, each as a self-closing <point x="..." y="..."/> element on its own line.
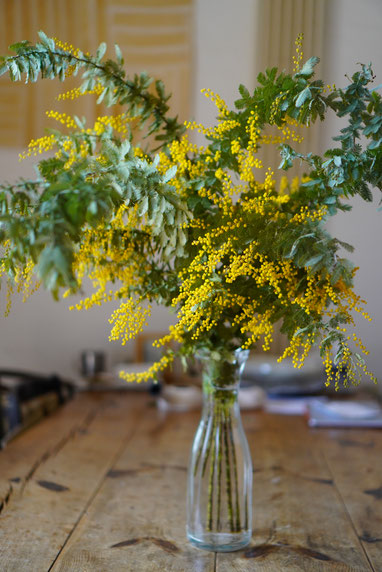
<point x="333" y="413"/>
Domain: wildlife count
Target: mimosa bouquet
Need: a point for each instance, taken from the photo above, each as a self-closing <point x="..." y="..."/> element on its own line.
<point x="135" y="205"/>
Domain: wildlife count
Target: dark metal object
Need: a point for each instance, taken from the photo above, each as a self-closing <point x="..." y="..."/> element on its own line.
<point x="92" y="362"/>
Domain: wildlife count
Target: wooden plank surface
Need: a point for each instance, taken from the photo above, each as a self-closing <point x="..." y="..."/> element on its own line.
<point x="300" y="522"/>
<point x="355" y="461"/>
<point x="137" y="520"/>
<point x="38" y="521"/>
<point x="26" y="452"/>
<point x="101" y="486"/>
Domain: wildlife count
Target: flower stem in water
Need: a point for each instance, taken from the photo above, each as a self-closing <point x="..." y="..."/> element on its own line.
<point x="228" y="472"/>
<point x="209" y="443"/>
<point x="220" y="459"/>
<point x="200" y="449"/>
<point x="212" y="477"/>
<point x="237" y="504"/>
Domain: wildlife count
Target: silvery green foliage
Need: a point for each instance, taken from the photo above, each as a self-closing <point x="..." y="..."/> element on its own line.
<point x="44" y="219"/>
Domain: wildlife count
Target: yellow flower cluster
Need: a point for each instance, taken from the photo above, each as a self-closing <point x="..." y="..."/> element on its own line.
<point x="247" y="158"/>
<point x="212" y="132"/>
<point x="199" y="299"/>
<point x="298" y="349"/>
<point x="314" y="299"/>
<point x="110" y="264"/>
<point x="228" y="190"/>
<point x="225" y="124"/>
<point x="287" y="135"/>
<point x="217" y="100"/>
<point x="5" y="248"/>
<point x="128" y="320"/>
<point x="258" y="204"/>
<point x="10" y="289"/>
<point x="284" y="185"/>
<point x="351" y="301"/>
<point x="66" y="47"/>
<point x="78" y="92"/>
<point x="202" y="304"/>
<point x="275" y="107"/>
<point x="346" y="301"/>
<point x="180" y="153"/>
<point x="306" y="214"/>
<point x="258" y="326"/>
<point x="281" y="277"/>
<point x="79" y="148"/>
<point x="151" y="373"/>
<point x="118" y="122"/>
<point x="351" y="363"/>
<point x="297" y="59"/>
<point x="24" y="279"/>
<point x="235" y="146"/>
<point x="38" y="146"/>
<point x="173" y="335"/>
<point x="62" y="118"/>
<point x="122" y="267"/>
<point x="330" y="87"/>
<point x="73" y="151"/>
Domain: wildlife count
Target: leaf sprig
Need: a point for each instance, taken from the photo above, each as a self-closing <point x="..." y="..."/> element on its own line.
<point x="44" y="59"/>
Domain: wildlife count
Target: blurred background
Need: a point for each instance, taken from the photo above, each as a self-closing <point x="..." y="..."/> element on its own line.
<point x="190" y="45"/>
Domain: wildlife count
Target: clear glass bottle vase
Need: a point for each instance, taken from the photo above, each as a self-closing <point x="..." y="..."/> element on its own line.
<point x="219" y="500"/>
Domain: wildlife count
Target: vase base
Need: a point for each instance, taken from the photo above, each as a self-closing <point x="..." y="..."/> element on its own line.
<point x="220" y="542"/>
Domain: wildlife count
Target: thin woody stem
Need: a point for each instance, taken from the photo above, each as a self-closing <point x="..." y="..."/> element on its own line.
<point x="246" y="511"/>
<point x="200" y="449"/>
<point x="228" y="474"/>
<point x="220" y="459"/>
<point x="210" y="437"/>
<point x="237" y="503"/>
<point x="212" y="476"/>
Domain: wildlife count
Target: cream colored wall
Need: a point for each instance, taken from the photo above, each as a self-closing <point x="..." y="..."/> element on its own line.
<point x="226" y="34"/>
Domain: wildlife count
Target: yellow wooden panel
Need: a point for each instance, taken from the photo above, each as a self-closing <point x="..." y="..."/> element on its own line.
<point x="150" y="20"/>
<point x="155" y="35"/>
<point x="156" y="41"/>
<point x="152" y="3"/>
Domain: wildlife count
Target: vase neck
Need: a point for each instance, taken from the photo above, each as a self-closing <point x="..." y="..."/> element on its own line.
<point x="223" y="372"/>
<point x="218" y="400"/>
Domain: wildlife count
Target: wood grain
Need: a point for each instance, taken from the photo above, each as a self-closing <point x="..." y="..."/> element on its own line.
<point x="101" y="486"/>
<point x="32" y="448"/>
<point x="137" y="520"/>
<point x="38" y="520"/>
<point x="299" y="518"/>
<point x="355" y="461"/>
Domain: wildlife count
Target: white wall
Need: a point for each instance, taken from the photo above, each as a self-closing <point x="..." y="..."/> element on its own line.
<point x="225" y="52"/>
<point x="353" y="34"/>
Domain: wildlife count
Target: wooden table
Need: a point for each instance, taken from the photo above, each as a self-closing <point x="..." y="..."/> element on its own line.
<point x="101" y="484"/>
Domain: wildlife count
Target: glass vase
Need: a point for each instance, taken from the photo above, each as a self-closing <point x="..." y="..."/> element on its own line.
<point x="219" y="503"/>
